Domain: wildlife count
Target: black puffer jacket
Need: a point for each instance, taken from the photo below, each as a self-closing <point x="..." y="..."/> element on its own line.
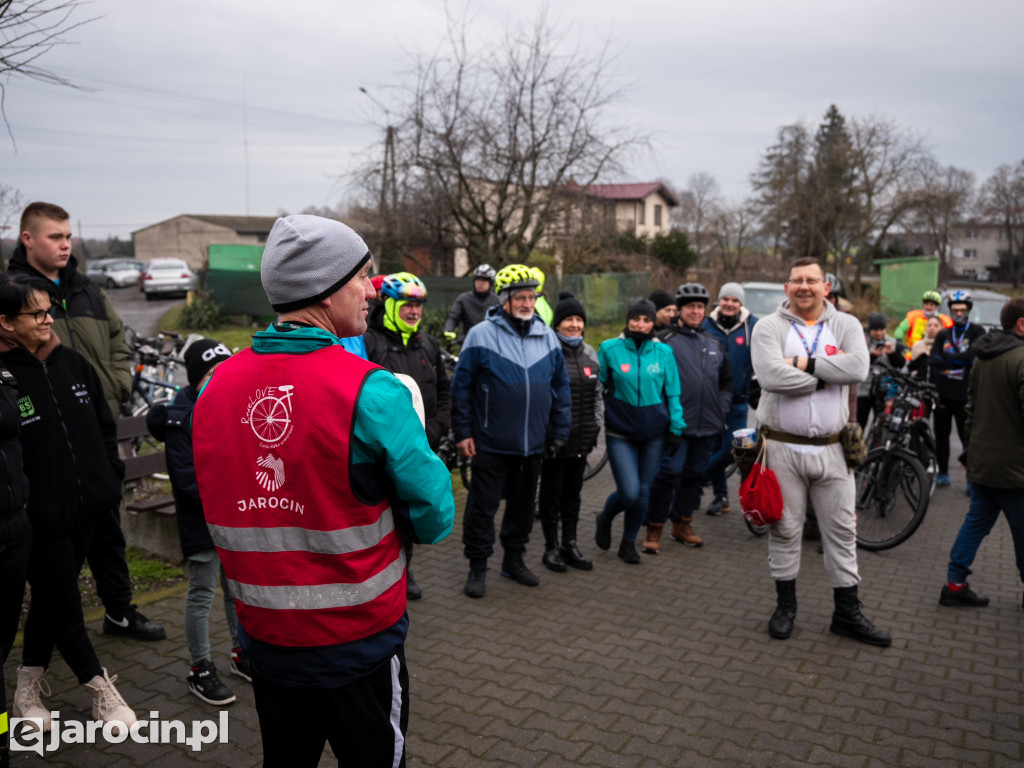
<point x="172" y="424"/>
<point x="419" y="359"/>
<point x="14" y="488"/>
<point x="69" y="439"/>
<point x="468" y="309"/>
<point x="587" y="401"/>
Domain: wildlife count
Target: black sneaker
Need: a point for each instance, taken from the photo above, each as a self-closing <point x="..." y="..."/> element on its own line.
<point x="514" y="568"/>
<point x="719" y="506"/>
<point x="133" y="624"/>
<point x="240" y="664"/>
<point x="475" y="584"/>
<point x="963" y="596"/>
<point x="205" y="684"/>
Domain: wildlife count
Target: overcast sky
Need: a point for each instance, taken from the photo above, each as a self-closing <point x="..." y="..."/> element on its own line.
<point x="162" y="130"/>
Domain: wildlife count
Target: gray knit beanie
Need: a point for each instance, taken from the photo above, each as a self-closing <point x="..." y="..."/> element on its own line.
<point x="307" y="258"/>
<point x="734" y="290"/>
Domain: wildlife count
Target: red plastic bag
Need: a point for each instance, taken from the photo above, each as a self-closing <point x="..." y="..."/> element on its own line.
<point x="761" y="497"/>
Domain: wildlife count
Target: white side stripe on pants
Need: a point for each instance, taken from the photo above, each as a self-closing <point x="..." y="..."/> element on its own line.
<point x="396" y="710"/>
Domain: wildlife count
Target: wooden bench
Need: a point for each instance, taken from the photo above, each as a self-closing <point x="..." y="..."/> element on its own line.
<point x="137" y="467"/>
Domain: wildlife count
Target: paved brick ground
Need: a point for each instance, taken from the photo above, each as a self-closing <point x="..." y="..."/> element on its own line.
<point x="663" y="664"/>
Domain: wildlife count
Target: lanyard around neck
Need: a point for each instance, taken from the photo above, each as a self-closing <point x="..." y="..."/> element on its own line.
<point x="817" y="337"/>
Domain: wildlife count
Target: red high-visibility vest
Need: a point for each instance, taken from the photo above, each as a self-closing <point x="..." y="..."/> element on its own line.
<point x="308" y="563"/>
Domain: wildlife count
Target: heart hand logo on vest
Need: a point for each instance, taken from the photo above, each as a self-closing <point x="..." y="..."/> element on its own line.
<point x="830" y="350"/>
<point x="271" y="477"/>
<point x="624" y="367"/>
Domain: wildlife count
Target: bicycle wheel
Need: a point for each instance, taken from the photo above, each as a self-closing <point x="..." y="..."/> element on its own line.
<point x="757" y="530"/>
<point x="892" y="498"/>
<point x="596" y="459"/>
<point x="465" y="470"/>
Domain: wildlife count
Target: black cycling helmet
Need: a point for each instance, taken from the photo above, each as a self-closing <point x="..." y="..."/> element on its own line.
<point x="960" y="297"/>
<point x="691" y="292"/>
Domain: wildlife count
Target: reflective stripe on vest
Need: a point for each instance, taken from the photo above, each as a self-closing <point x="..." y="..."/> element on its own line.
<point x="303" y="540"/>
<point x="319" y="596"/>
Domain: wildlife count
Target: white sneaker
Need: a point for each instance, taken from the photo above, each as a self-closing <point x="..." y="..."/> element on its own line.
<point x="28" y="697"/>
<point x="107" y="704"/>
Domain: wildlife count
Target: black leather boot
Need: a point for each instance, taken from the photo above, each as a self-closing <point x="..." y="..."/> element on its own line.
<point x="572" y="556"/>
<point x="780" y="625"/>
<point x="848" y="621"/>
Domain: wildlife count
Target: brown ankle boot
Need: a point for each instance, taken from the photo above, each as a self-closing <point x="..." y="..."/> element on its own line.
<point x="683" y="533"/>
<point x="652" y="541"/>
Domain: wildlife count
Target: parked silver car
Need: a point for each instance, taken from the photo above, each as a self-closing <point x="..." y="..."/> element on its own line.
<point x="167" y="276"/>
<point x="114" y="273"/>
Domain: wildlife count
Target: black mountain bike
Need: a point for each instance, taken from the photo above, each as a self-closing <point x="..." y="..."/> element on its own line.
<point x="895" y="483"/>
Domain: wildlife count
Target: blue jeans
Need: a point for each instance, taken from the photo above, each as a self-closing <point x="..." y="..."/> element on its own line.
<point x="203" y="570"/>
<point x="986" y="503"/>
<point x="634" y="465"/>
<point x="720" y="461"/>
<point x="677" y="484"/>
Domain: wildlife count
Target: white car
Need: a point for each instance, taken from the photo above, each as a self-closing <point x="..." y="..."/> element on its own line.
<point x="763" y="298"/>
<point x="167" y="276"/>
<point x="114" y="273"/>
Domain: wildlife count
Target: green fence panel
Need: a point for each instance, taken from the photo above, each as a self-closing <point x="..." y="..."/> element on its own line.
<point x="233" y="280"/>
<point x="904" y="280"/>
<point x="604" y="296"/>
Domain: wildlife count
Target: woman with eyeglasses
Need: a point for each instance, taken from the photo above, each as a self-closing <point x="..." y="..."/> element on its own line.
<point x="69" y="441"/>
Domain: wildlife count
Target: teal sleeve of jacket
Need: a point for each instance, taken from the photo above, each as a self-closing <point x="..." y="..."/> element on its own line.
<point x="388" y="431"/>
<point x="673" y="390"/>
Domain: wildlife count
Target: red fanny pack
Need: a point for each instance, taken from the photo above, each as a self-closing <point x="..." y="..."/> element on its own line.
<point x="760" y="495"/>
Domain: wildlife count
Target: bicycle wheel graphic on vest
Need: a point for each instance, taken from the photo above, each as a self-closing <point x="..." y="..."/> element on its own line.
<point x="270" y="416"/>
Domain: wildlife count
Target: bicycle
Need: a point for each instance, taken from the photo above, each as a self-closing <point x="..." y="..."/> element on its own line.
<point x="892" y="485"/>
<point x="448" y="450"/>
<point x="152" y="384"/>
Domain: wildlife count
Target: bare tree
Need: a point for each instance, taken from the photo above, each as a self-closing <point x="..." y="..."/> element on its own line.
<point x="28" y="30"/>
<point x="734" y="229"/>
<point x="885" y="157"/>
<point x="1001" y="200"/>
<point x="839" y="196"/>
<point x="945" y="197"/>
<point x="698" y="203"/>
<point x="493" y="134"/>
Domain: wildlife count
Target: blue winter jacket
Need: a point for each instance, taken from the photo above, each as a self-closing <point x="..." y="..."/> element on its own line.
<point x="736" y="343"/>
<point x="705" y="380"/>
<point x="508" y="390"/>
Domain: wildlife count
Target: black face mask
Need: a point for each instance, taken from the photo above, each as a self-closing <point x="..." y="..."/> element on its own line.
<point x="637" y="337"/>
<point x="728" y="321"/>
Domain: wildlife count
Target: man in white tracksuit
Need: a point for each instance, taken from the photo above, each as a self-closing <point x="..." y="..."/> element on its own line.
<point x="806" y="355"/>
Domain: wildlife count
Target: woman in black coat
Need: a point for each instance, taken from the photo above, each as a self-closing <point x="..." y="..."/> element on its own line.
<point x="69" y="440"/>
<point x="561" y="476"/>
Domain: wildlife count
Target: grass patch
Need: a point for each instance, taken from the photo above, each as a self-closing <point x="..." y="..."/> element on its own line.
<point x="231" y="335"/>
<point x="148" y="573"/>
